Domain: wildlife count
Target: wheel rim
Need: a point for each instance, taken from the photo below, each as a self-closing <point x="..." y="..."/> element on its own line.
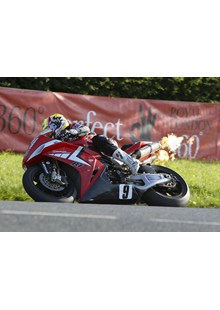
<point x="170" y="189"/>
<point x="43" y="183"/>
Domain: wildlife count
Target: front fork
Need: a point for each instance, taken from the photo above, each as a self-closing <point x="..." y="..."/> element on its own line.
<point x="53" y="172"/>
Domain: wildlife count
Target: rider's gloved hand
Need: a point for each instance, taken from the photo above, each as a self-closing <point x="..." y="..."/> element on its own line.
<point x="70" y="135"/>
<point x="65" y="135"/>
<point x="83" y="131"/>
<point x="73" y="132"/>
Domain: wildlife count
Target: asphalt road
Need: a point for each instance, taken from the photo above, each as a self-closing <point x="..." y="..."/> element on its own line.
<point x="48" y="217"/>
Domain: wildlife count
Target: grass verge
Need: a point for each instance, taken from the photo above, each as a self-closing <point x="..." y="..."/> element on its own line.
<point x="203" y="179"/>
<point x="11" y="173"/>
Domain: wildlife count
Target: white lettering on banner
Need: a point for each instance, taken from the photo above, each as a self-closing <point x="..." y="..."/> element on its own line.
<point x="99" y="125"/>
<point x="185" y="149"/>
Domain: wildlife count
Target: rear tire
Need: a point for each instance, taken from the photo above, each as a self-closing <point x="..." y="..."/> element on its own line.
<point x="35" y="189"/>
<point x="177" y="196"/>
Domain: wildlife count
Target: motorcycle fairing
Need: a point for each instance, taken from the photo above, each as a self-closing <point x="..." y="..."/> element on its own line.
<point x="81" y="158"/>
<point x="103" y="191"/>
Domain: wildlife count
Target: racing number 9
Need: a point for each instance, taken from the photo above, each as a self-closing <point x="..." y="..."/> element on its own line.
<point x="125" y="191"/>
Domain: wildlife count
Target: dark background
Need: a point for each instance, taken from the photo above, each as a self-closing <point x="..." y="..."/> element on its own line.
<point x="198" y="89"/>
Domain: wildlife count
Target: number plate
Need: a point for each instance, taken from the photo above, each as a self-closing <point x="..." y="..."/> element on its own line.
<point x="125" y="191"/>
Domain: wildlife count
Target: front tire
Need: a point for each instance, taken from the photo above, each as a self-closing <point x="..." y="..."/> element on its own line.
<point x="174" y="196"/>
<point x="33" y="186"/>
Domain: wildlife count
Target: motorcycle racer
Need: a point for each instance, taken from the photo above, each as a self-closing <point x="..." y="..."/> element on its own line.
<point x="65" y="130"/>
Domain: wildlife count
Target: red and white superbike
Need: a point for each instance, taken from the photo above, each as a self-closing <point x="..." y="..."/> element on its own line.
<point x="58" y="171"/>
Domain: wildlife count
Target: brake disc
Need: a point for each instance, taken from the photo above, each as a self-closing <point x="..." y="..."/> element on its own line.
<point x="53" y="186"/>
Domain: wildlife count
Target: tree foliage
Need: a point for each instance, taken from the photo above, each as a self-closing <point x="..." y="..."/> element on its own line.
<point x="197" y="89"/>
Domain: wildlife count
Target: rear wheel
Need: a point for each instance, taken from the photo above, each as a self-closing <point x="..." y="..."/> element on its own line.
<point x="39" y="186"/>
<point x="174" y="194"/>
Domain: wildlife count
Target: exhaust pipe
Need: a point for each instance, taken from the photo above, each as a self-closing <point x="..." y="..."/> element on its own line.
<point x="147" y="150"/>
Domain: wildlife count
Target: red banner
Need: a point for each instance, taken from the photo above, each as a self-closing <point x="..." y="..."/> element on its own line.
<point x="125" y="120"/>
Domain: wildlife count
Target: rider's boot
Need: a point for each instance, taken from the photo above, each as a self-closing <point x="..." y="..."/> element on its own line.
<point x="127" y="159"/>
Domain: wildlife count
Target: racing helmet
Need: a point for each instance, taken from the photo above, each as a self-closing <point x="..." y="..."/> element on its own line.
<point x="55" y="121"/>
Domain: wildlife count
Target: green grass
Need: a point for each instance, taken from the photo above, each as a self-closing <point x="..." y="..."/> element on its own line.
<point x="203" y="179"/>
<point x="11" y="173"/>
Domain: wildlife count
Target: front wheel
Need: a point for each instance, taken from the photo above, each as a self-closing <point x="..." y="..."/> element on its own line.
<point x="40" y="188"/>
<point x="173" y="194"/>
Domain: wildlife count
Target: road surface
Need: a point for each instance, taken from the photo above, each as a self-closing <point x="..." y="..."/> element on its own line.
<point x="49" y="217"/>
